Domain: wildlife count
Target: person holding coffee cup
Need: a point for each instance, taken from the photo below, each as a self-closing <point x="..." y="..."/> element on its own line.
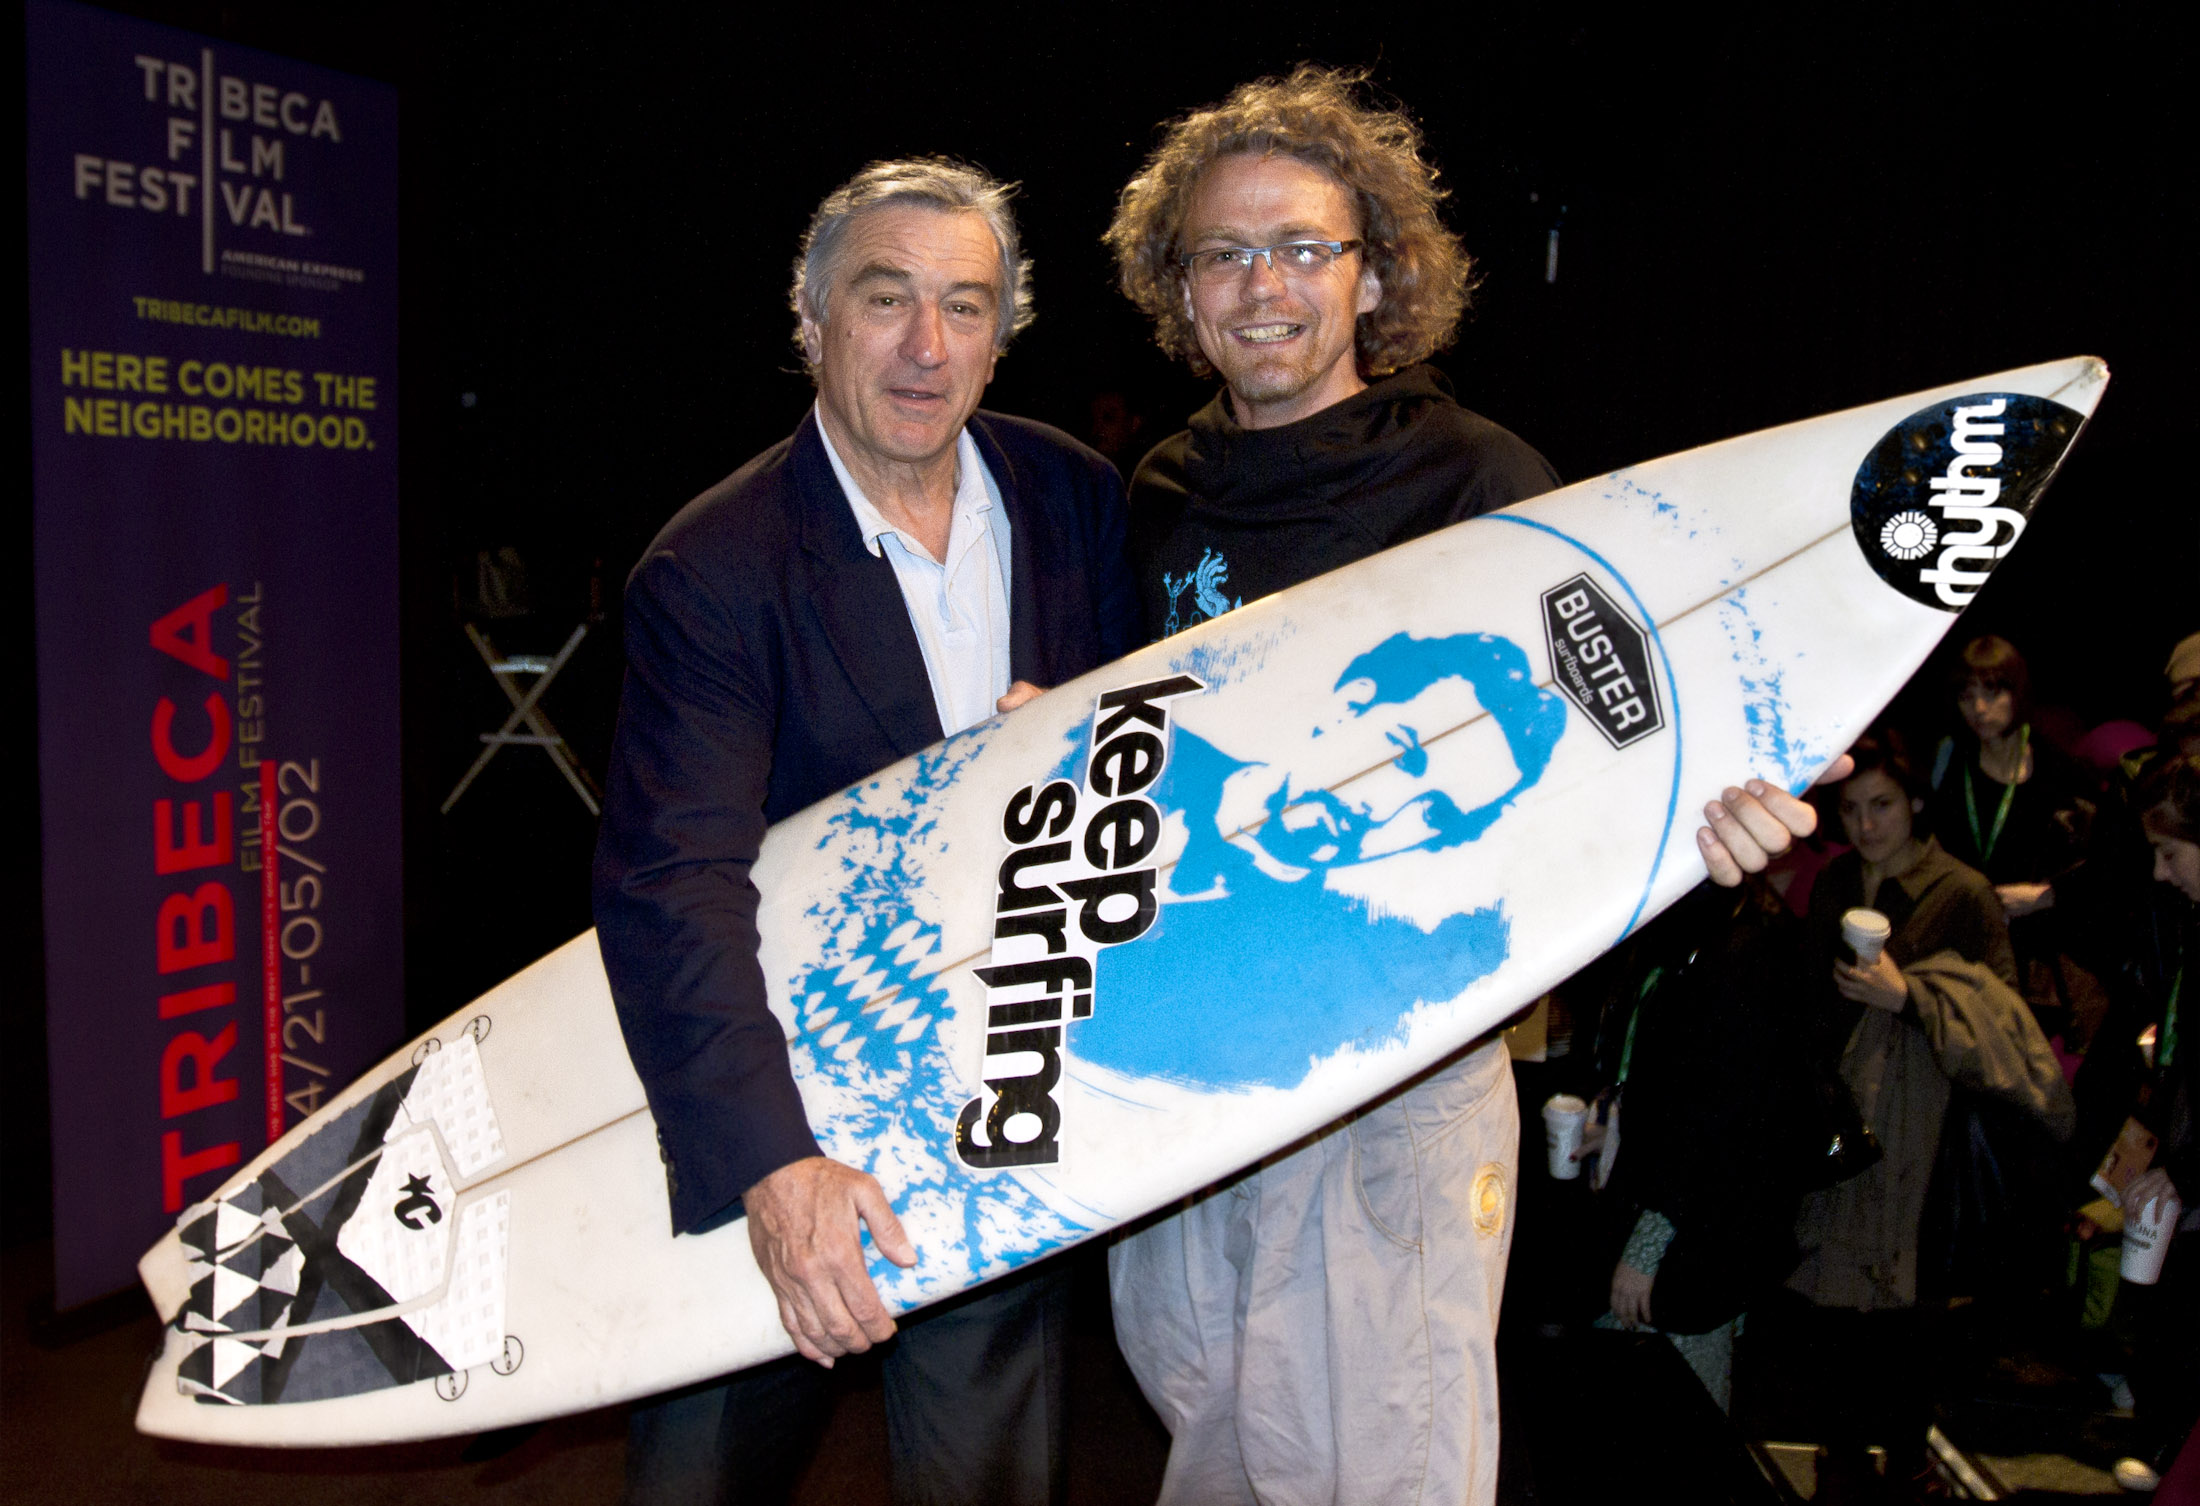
<point x="1934" y="1009"/>
<point x="2169" y="813"/>
<point x="2161" y="1227"/>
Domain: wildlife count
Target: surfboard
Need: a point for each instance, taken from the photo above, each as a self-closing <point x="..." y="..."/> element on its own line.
<point x="1086" y="958"/>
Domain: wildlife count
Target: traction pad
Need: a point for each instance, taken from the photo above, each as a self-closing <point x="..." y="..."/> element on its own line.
<point x="363" y="1226"/>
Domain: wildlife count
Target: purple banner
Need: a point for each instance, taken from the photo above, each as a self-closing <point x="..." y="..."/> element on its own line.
<point x="213" y="284"/>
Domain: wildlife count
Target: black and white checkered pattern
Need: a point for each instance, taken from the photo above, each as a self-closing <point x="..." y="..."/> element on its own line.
<point x="245" y="1274"/>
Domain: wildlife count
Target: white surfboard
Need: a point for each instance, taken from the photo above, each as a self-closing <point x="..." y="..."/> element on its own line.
<point x="1084" y="959"/>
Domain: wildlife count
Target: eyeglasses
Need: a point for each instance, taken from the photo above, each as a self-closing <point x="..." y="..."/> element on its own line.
<point x="1287" y="258"/>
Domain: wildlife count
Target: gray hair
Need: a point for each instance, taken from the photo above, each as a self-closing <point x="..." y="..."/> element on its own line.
<point x="936" y="182"/>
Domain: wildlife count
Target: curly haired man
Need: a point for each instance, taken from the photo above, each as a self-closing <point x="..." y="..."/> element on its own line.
<point x="1322" y="1329"/>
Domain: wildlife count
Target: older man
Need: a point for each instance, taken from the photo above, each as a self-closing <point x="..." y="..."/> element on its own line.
<point x="898" y="569"/>
<point x="1322" y="1329"/>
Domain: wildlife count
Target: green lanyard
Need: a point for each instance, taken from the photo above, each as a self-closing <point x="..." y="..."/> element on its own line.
<point x="1634" y="1017"/>
<point x="2165" y="1043"/>
<point x="1984" y="846"/>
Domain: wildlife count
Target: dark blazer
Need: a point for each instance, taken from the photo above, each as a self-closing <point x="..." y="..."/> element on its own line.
<point x="770" y="663"/>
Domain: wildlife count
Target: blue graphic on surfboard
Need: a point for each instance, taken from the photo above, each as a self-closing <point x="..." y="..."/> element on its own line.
<point x="870" y="1058"/>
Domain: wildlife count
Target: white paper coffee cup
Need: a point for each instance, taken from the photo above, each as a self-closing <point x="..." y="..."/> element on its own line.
<point x="1563" y="1117"/>
<point x="1866" y="932"/>
<point x="2147" y="1233"/>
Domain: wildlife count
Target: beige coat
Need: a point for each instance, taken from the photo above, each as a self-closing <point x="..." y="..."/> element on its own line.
<point x="1965" y="1030"/>
<point x="1964" y="1027"/>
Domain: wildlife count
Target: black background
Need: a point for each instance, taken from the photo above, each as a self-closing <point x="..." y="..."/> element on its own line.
<point x="1759" y="221"/>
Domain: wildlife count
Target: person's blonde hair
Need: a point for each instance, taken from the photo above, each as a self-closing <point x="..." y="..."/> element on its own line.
<point x="1317" y="116"/>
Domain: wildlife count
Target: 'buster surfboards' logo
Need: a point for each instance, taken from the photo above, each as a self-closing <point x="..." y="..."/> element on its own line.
<point x="1067" y="889"/>
<point x="1601" y="660"/>
<point x="1944" y="495"/>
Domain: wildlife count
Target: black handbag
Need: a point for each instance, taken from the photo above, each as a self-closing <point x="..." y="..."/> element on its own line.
<point x="1839" y="1144"/>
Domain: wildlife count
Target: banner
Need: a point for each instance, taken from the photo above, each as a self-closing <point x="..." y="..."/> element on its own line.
<point x="213" y="285"/>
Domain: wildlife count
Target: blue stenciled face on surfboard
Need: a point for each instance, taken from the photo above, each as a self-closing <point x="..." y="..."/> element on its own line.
<point x="1256" y="909"/>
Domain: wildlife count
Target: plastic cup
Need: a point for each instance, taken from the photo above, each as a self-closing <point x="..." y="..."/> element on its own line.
<point x="1563" y="1117"/>
<point x="2147" y="1233"/>
<point x="1866" y="932"/>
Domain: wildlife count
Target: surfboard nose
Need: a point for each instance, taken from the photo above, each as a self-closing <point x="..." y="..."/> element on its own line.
<point x="2082" y="387"/>
<point x="1945" y="494"/>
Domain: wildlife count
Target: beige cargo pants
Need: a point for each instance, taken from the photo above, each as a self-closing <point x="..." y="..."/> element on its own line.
<point x="1322" y="1331"/>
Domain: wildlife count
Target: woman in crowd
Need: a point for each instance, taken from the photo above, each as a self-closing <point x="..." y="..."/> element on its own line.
<point x="2012" y="806"/>
<point x="2125" y="927"/>
<point x="2155" y="1006"/>
<point x="1937" y="1009"/>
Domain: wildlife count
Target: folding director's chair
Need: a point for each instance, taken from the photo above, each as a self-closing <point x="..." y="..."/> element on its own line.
<point x="527" y="710"/>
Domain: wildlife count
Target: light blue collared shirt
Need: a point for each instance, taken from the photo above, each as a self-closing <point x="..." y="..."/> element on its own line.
<point x="959" y="607"/>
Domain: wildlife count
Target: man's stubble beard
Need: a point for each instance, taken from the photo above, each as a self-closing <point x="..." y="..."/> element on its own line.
<point x="1256" y="377"/>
